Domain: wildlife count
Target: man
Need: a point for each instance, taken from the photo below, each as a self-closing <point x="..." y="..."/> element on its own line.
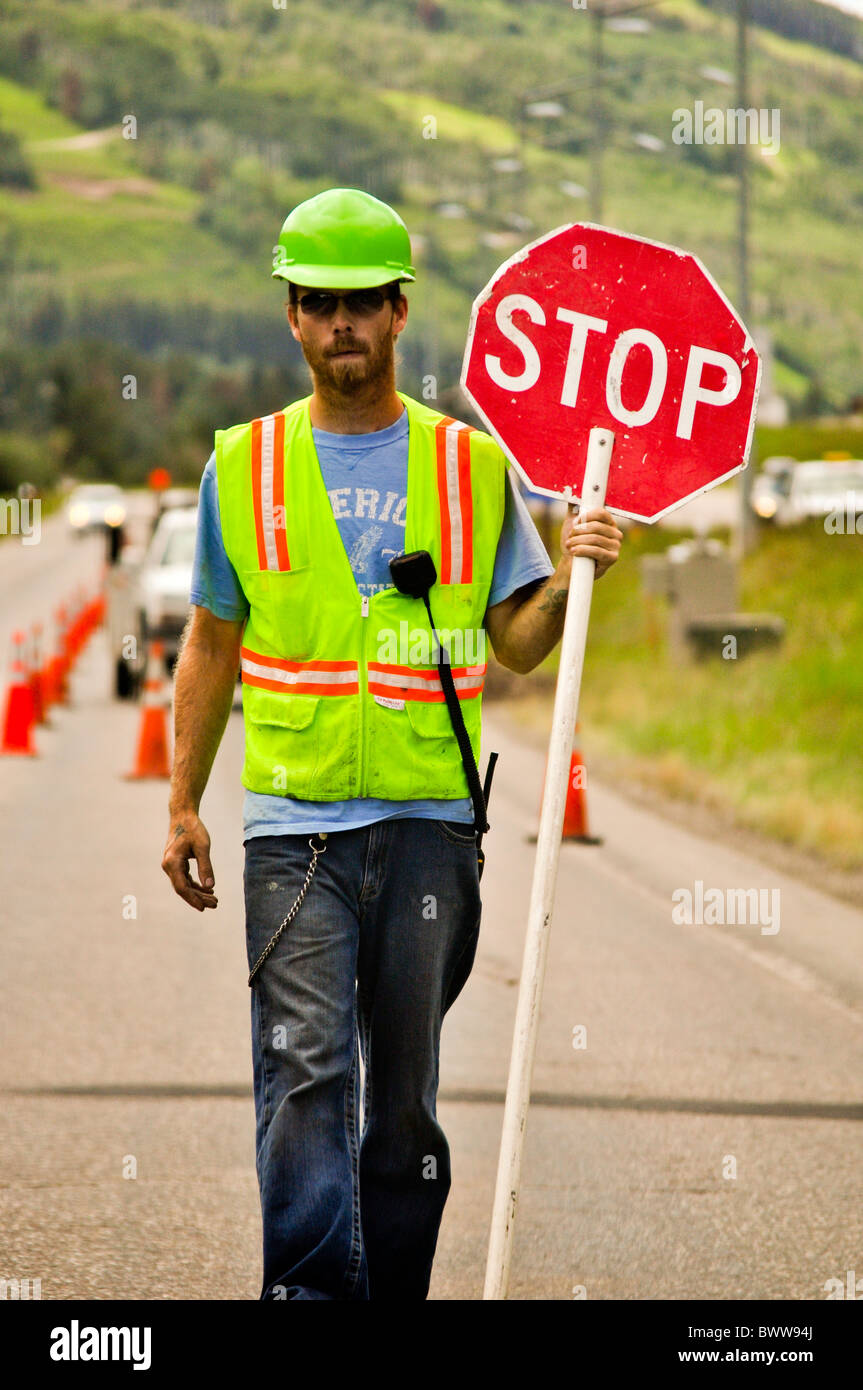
<point x="355" y="785"/>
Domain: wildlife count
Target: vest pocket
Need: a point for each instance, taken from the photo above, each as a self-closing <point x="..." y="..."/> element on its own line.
<point x="430" y="719"/>
<point x="414" y="753"/>
<point x="284" y="711"/>
<point x="285" y="610"/>
<point x="303" y="746"/>
<point x="281" y="742"/>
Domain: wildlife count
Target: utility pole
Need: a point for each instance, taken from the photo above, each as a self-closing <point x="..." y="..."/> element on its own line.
<point x="742" y="164"/>
<point x="747" y="531"/>
<point x="599" y="13"/>
<point x="597" y="17"/>
<point x="432" y="363"/>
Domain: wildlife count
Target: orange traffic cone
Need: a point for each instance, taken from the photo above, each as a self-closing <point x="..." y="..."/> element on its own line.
<point x="575" y="811"/>
<point x="151" y="759"/>
<point x="18" y="715"/>
<point x="60" y="660"/>
<point x="50" y="681"/>
<point x="37" y="688"/>
<point x="575" y="827"/>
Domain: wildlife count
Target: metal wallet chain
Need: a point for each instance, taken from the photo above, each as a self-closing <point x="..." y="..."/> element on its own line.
<point x="293" y="910"/>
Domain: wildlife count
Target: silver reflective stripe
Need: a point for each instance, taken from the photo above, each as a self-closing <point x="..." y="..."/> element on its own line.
<point x="430" y="682"/>
<point x="454" y="500"/>
<point x="303" y="677"/>
<point x="395" y="678"/>
<point x="268" y="430"/>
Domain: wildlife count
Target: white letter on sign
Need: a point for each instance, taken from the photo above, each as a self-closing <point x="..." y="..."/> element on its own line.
<point x="503" y="318"/>
<point x="581" y="326"/>
<point x="693" y="391"/>
<point x="658" y="379"/>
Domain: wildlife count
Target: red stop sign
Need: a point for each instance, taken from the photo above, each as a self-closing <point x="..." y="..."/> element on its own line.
<point x="588" y="326"/>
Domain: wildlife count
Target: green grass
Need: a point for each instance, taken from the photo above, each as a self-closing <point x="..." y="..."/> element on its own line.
<point x="25" y="113"/>
<point x="453" y="122"/>
<point x="772" y="739"/>
<point x="811" y="439"/>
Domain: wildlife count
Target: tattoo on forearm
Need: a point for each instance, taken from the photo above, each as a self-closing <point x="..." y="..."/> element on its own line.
<point x="553" y="600"/>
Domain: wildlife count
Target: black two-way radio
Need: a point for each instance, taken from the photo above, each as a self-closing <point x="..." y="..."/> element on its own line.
<point x="414" y="575"/>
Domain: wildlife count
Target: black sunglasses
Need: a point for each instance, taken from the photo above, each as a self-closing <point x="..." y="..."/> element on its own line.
<point x="321" y="303"/>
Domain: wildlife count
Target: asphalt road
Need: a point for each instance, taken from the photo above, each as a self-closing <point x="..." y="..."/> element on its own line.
<point x="711" y="1050"/>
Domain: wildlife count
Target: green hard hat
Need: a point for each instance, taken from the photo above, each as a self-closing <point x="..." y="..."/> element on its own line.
<point x="343" y="239"/>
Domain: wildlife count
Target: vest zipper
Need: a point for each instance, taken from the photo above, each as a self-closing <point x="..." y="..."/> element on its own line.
<point x="363" y="673"/>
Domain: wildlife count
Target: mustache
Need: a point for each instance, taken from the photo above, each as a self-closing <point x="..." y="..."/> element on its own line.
<point x="346" y="347"/>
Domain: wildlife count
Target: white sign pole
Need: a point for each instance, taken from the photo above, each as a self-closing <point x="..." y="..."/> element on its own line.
<point x="599" y="451"/>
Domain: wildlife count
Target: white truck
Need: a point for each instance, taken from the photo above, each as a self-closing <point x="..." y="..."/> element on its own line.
<point x="148" y="597"/>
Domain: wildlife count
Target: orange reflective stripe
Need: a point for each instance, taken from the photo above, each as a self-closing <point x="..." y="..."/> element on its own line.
<point x="299" y="677"/>
<point x="268" y="491"/>
<point x="466" y="501"/>
<point x="422" y="696"/>
<point x="452" y="446"/>
<point x="413" y="683"/>
<point x="286" y="665"/>
<point x="299" y="687"/>
<point x="425" y="673"/>
<point x="279" y="519"/>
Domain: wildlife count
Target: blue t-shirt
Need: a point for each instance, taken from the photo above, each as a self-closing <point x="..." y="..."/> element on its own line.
<point x="366" y="480"/>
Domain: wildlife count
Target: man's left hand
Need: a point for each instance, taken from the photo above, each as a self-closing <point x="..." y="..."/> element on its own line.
<point x="594" y="534"/>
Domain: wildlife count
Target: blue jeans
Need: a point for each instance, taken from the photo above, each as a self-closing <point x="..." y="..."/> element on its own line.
<point x="380" y="948"/>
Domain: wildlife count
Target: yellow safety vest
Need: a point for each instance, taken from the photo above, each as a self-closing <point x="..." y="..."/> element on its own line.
<point x="341" y="693"/>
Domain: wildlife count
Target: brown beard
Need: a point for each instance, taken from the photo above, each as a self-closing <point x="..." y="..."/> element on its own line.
<point x="348" y="378"/>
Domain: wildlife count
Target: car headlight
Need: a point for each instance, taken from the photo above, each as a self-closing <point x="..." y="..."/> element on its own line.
<point x="766" y="506"/>
<point x="115" y="515"/>
<point x="79" y="515"/>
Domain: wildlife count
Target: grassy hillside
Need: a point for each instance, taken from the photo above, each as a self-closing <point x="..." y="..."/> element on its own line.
<point x="243" y="108"/>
